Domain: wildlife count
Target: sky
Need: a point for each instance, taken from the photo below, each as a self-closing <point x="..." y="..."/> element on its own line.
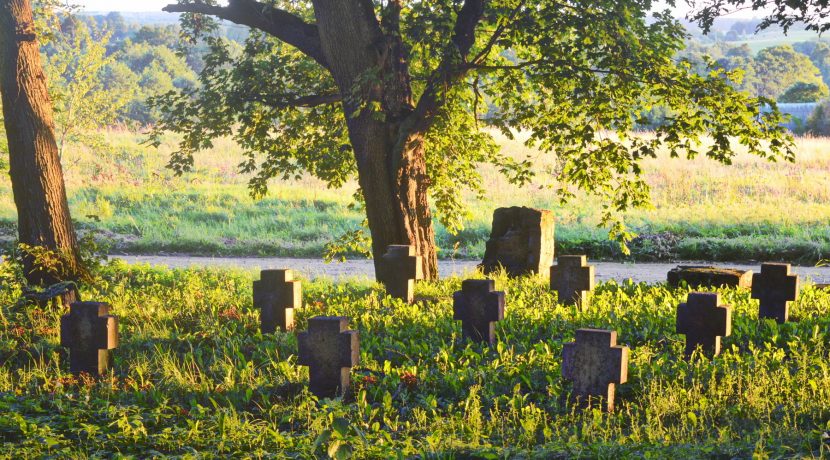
<point x="156" y="5"/>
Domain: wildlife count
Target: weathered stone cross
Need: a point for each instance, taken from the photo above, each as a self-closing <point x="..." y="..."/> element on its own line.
<point x="573" y="279"/>
<point x="704" y="322"/>
<point x="595" y="364"/>
<point x="89" y="331"/>
<point x="775" y="287"/>
<point x="329" y="350"/>
<point x="400" y="268"/>
<point x="478" y="306"/>
<point x="276" y="295"/>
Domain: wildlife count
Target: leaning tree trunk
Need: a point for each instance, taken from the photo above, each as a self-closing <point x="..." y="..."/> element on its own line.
<point x="395" y="190"/>
<point x="392" y="173"/>
<point x="35" y="169"/>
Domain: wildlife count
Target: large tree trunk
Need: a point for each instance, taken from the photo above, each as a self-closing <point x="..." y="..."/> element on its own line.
<point x="36" y="174"/>
<point x="392" y="172"/>
<point x="394" y="182"/>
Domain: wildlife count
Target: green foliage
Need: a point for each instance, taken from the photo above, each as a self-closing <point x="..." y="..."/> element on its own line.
<point x="819" y="54"/>
<point x="154" y="69"/>
<point x="772" y="71"/>
<point x="577" y="78"/>
<point x="193" y="374"/>
<point x="805" y="92"/>
<point x="818" y="123"/>
<point x="81" y="99"/>
<point x="781" y="67"/>
<point x="812" y="15"/>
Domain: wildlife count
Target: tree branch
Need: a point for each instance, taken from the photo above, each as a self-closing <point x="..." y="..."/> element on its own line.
<point x="273" y="21"/>
<point x="497" y="34"/>
<point x="453" y="65"/>
<point x="310" y="101"/>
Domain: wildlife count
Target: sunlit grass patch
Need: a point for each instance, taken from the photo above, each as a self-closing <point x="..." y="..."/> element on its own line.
<point x="193" y="374"/>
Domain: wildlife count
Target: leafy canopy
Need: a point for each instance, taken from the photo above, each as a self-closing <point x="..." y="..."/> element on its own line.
<point x="573" y="77"/>
<point x="804" y="92"/>
<point x="82" y="102"/>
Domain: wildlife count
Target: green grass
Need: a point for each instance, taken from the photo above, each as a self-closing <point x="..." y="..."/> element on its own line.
<point x="194" y="378"/>
<point x="769" y="39"/>
<point x="752" y="210"/>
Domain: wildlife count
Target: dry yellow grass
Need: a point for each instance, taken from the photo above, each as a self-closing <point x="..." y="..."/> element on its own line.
<point x="751" y="209"/>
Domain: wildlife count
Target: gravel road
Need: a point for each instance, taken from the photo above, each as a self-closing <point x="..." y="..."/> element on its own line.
<point x="313" y="268"/>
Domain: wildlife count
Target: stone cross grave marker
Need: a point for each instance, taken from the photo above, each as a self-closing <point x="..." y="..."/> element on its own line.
<point x="775" y="287"/>
<point x="478" y="306"/>
<point x="276" y="295"/>
<point x="704" y="321"/>
<point x="89" y="331"/>
<point x="573" y="279"/>
<point x="329" y="350"/>
<point x="595" y="365"/>
<point x="400" y="268"/>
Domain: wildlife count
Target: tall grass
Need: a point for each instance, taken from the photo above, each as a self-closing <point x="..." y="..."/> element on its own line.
<point x="752" y="209"/>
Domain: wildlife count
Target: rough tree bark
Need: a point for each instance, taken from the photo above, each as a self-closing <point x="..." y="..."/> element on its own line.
<point x="350" y="42"/>
<point x="35" y="169"/>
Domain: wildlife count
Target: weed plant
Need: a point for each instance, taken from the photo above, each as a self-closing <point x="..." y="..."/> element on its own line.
<point x="194" y="378"/>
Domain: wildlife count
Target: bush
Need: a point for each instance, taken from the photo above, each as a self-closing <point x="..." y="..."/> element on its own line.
<point x="802" y="92"/>
<point x="818" y="124"/>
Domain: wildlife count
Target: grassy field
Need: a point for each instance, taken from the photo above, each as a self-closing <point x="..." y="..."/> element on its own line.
<point x="768" y="39"/>
<point x="194" y="378"/>
<point x="752" y="210"/>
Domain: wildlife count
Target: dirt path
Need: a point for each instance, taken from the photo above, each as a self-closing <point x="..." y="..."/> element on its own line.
<point x="313" y="268"/>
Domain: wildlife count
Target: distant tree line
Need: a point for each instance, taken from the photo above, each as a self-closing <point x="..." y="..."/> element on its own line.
<point x="797" y="73"/>
<point x="103" y="70"/>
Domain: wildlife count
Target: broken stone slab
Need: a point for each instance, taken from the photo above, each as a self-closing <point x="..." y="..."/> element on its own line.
<point x="521" y="241"/>
<point x="697" y="276"/>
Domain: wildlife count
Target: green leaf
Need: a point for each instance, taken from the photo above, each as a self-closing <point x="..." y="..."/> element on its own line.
<point x="340" y="426"/>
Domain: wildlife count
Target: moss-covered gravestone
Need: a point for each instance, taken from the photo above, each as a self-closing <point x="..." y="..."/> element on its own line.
<point x="775" y="288"/>
<point x="329" y="350"/>
<point x="276" y="295"/>
<point x="400" y="267"/>
<point x="89" y="331"/>
<point x="573" y="279"/>
<point x="478" y="306"/>
<point x="702" y="276"/>
<point x="704" y="321"/>
<point x="521" y="241"/>
<point x="595" y="365"/>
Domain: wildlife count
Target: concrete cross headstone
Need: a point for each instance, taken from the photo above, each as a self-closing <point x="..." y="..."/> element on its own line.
<point x="704" y="321"/>
<point x="276" y="295"/>
<point x="329" y="350"/>
<point x="775" y="288"/>
<point x="595" y="365"/>
<point x="478" y="306"/>
<point x="401" y="266"/>
<point x="573" y="279"/>
<point x="89" y="331"/>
